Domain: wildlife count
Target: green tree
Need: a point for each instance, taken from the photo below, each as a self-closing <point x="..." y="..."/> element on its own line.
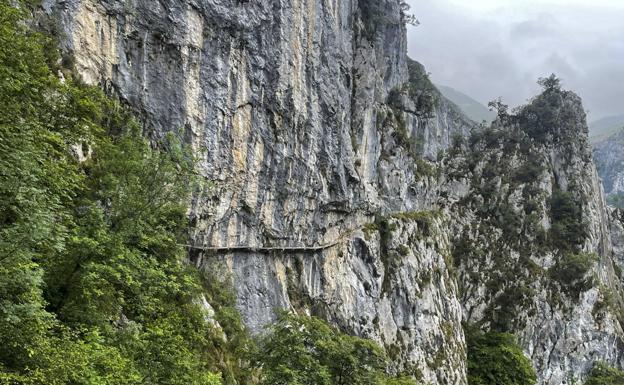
<point x="602" y="374"/>
<point x="37" y="180"/>
<point x="301" y="350"/>
<point x="496" y="358"/>
<point x="502" y="109"/>
<point x="568" y="231"/>
<point x="550" y="83"/>
<point x="93" y="284"/>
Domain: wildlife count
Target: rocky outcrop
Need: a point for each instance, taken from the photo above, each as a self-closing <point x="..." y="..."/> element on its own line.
<point x="532" y="244"/>
<point x="388" y="281"/>
<point x="339" y="182"/>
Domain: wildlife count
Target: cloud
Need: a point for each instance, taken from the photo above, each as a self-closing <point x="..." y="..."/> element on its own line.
<point x="560" y="65"/>
<point x="491" y="48"/>
<point x="544" y="26"/>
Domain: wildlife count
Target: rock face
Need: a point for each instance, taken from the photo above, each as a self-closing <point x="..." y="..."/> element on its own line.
<point x="532" y="240"/>
<point x="609" y="156"/>
<point x="341" y="183"/>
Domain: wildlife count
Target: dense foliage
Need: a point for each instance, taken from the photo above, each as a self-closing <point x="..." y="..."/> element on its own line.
<point x="93" y="288"/>
<point x="568" y="230"/>
<point x="571" y="272"/>
<point x="421" y="89"/>
<point x="567" y="234"/>
<point x="306" y="351"/>
<point x="602" y="374"/>
<point x="496" y="358"/>
<point x="548" y="116"/>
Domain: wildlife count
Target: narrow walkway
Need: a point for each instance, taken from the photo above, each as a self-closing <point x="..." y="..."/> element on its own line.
<point x="268" y="249"/>
<point x="261" y="249"/>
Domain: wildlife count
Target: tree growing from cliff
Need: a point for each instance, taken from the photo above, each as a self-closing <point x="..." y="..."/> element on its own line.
<point x="501" y="109"/>
<point x="550" y="83"/>
<point x="408" y="18"/>
<point x="602" y="374"/>
<point x="496" y="358"/>
<point x="306" y="351"/>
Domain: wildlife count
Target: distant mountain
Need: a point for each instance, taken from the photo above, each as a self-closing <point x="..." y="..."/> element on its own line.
<point x="472" y="108"/>
<point x="609" y="158"/>
<point x="601" y="129"/>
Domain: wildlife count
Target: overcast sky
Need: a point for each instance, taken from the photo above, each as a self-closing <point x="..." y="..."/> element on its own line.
<point x="492" y="48"/>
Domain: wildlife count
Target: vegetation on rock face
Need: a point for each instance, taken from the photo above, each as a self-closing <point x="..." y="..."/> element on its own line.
<point x="386" y="225"/>
<point x="553" y="115"/>
<point x="505" y="199"/>
<point x="306" y="351"/>
<point x="416" y="98"/>
<point x="93" y="287"/>
<point x="421" y="89"/>
<point x="570" y="271"/>
<point x="568" y="230"/>
<point x="496" y="358"/>
<point x="510" y="168"/>
<point x="602" y="374"/>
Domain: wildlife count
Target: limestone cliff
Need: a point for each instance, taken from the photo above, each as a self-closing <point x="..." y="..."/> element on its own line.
<point x="532" y="243"/>
<point x="339" y="182"/>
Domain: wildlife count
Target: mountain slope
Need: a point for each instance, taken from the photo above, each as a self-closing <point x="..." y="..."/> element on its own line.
<point x="472" y="108"/>
<point x="603" y="128"/>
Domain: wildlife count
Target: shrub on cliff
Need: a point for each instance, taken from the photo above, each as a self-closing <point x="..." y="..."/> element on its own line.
<point x="571" y="270"/>
<point x="306" y="351"/>
<point x="496" y="358"/>
<point x="602" y="374"/>
<point x="568" y="231"/>
<point x="421" y="89"/>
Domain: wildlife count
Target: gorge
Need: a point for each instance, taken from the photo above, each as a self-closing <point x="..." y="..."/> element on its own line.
<point x="337" y="181"/>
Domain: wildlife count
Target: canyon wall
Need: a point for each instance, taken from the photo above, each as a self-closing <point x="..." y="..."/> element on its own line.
<point x="339" y="182"/>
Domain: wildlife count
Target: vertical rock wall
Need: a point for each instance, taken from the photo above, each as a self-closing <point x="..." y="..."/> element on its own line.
<point x="333" y="186"/>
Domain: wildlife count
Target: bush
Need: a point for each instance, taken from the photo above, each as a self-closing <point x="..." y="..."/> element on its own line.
<point x="301" y="350"/>
<point x="568" y="231"/>
<point x="496" y="358"/>
<point x="571" y="270"/>
<point x="424" y="219"/>
<point x="540" y="118"/>
<point x="602" y="374"/>
<point x="529" y="172"/>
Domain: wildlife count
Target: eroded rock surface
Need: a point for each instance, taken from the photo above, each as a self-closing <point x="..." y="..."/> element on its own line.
<point x="340" y="183"/>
